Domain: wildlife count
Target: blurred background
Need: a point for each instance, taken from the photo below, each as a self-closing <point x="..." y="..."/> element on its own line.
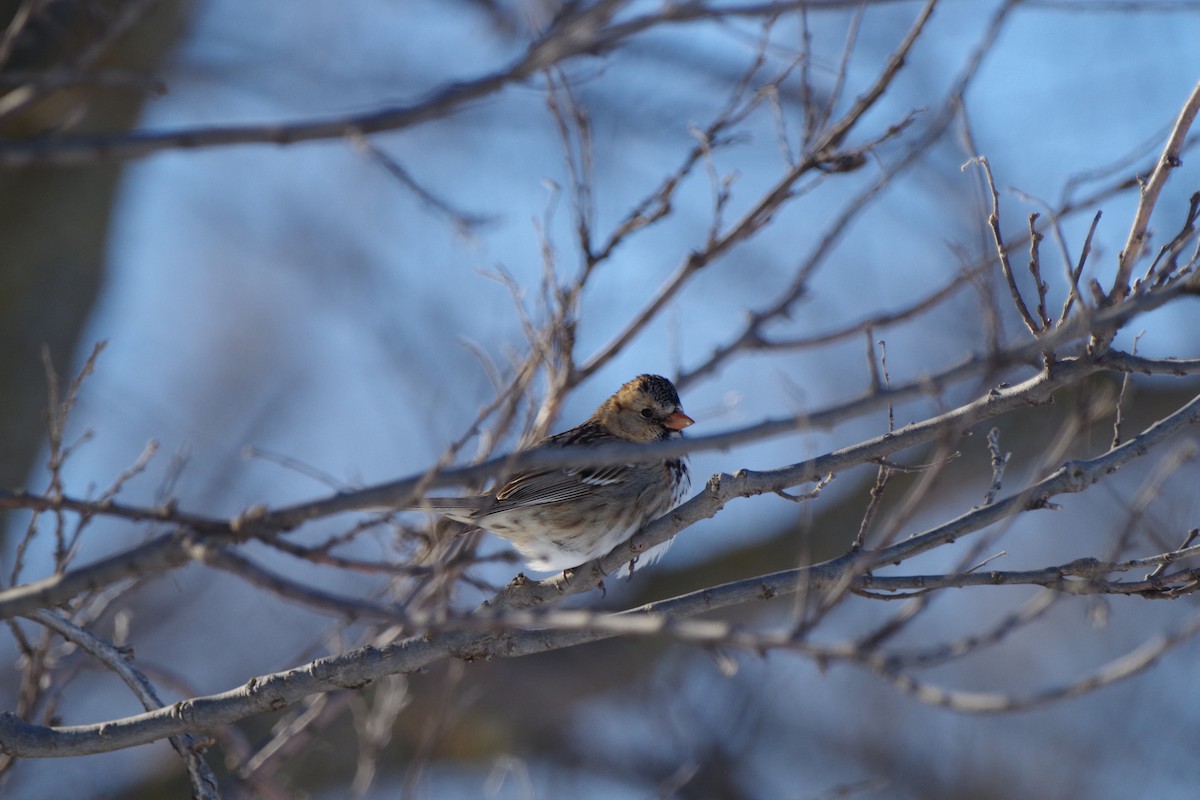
<point x="307" y="302"/>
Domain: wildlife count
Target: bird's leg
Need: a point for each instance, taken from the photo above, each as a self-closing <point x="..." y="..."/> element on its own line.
<point x="632" y="566"/>
<point x="570" y="571"/>
<point x="566" y="576"/>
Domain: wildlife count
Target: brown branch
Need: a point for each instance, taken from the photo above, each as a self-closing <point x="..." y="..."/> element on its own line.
<point x="175" y="549"/>
<point x="1166" y="264"/>
<point x="880" y="321"/>
<point x="1119" y="669"/>
<point x="163" y="553"/>
<point x="1167" y="161"/>
<point x="10" y="499"/>
<point x="1073" y="477"/>
<point x="1002" y="251"/>
<point x="204" y="782"/>
<point x="402" y="492"/>
<point x="573" y="35"/>
<point x="1035" y="271"/>
<point x="999" y="462"/>
<point x="751" y="336"/>
<point x="580" y="33"/>
<point x="765" y="209"/>
<point x="1073" y="275"/>
<point x="288" y="589"/>
<point x="508" y="638"/>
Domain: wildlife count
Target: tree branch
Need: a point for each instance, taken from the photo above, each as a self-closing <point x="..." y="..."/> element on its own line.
<point x="1169" y="160"/>
<point x="204" y="782"/>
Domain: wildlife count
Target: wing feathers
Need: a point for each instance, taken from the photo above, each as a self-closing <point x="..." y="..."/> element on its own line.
<point x="556" y="486"/>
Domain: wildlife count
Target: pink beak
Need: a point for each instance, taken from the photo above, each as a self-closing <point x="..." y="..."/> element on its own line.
<point x="677" y="421"/>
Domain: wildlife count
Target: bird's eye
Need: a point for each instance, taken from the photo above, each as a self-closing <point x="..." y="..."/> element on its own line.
<point x="647" y="413"/>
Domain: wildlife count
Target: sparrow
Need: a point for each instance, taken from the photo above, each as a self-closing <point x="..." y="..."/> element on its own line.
<point x="559" y="518"/>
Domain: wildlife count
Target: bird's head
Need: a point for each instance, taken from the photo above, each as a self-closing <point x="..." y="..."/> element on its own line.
<point x="646" y="409"/>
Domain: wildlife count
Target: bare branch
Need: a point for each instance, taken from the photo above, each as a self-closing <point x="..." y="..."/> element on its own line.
<point x="763" y="211"/>
<point x="999" y="462"/>
<point x="573" y="35"/>
<point x="175" y="549"/>
<point x="505" y="638"/>
<point x="587" y="30"/>
<point x="204" y="782"/>
<point x="1120" y="669"/>
<point x="1169" y="160"/>
<point x="1073" y="477"/>
<point x="411" y="589"/>
<point x="1002" y="251"/>
<point x="1074" y="274"/>
<point x="37" y="87"/>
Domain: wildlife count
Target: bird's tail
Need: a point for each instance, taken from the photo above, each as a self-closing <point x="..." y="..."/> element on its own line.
<point x="461" y="509"/>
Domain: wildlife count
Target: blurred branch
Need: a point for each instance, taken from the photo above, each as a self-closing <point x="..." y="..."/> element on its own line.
<point x="464" y="221"/>
<point x="204" y="783"/>
<point x="178" y="548"/>
<point x="357" y="667"/>
<point x="560" y="629"/>
<point x="1073" y="477"/>
<point x="575" y="34"/>
<point x="1120" y="669"/>
<point x="421" y="598"/>
<point x="753" y="340"/>
<point x="117" y="23"/>
<point x="583" y="30"/>
<point x="163" y="553"/>
<point x="61" y="78"/>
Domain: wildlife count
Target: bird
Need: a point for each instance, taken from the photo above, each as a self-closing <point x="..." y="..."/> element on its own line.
<point x="559" y="518"/>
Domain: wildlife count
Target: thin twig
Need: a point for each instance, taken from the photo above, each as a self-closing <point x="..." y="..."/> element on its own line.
<point x="1001" y="250"/>
<point x="1167" y="161"/>
<point x="999" y="462"/>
